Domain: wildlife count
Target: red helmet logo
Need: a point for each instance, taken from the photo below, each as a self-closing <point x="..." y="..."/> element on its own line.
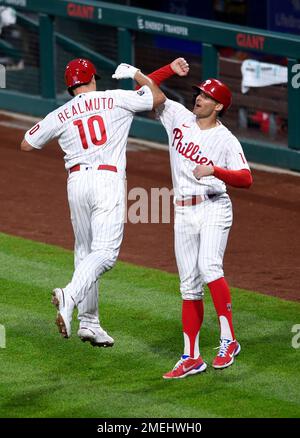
<point x="79" y="72"/>
<point x="217" y="90"/>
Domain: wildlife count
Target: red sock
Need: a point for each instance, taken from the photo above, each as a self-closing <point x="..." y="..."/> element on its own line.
<point x="221" y="297"/>
<point x="192" y="318"/>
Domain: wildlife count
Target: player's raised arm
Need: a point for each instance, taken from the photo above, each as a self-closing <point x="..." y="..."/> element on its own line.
<point x="179" y="67"/>
<point x="125" y="71"/>
<point x="158" y="96"/>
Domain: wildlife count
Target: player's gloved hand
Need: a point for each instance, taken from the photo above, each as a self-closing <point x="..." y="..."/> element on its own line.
<point x="125" y="71"/>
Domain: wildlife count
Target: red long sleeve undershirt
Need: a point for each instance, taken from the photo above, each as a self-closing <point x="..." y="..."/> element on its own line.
<point x="160" y="75"/>
<point x="236" y="178"/>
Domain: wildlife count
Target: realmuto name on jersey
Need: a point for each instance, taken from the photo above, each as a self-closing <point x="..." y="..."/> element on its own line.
<point x="81" y="107"/>
<point x="189" y="150"/>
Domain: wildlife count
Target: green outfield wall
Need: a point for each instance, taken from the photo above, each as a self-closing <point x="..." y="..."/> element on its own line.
<point x="128" y="21"/>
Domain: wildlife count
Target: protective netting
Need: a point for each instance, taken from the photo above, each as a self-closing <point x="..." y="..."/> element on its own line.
<point x="21" y="60"/>
<point x="260" y="102"/>
<point x="99" y="39"/>
<point x="258" y="83"/>
<point x="150" y="54"/>
<point x="259" y="111"/>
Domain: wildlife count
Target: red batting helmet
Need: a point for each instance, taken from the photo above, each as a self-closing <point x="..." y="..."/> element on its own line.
<point x="79" y="72"/>
<point x="217" y="90"/>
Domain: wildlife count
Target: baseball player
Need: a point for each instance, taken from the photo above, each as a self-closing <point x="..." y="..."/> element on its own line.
<point x="92" y="130"/>
<point x="204" y="156"/>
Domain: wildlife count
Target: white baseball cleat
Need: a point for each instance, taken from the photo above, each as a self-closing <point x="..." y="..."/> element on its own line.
<point x="96" y="336"/>
<point x="65" y="307"/>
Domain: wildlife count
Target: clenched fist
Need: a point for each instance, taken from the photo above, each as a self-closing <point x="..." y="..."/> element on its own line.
<point x="203" y="170"/>
<point x="180" y="67"/>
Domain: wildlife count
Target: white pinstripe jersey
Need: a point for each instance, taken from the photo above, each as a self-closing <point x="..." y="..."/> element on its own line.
<point x="190" y="146"/>
<point x="93" y="127"/>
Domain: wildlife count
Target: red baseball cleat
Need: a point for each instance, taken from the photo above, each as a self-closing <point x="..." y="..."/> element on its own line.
<point x="228" y="350"/>
<point x="186" y="366"/>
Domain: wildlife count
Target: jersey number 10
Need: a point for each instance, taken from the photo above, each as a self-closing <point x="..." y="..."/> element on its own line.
<point x="91" y="127"/>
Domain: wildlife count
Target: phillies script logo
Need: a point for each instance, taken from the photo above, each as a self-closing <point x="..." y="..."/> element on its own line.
<point x="188" y="150"/>
<point x="250" y="41"/>
<point x="81" y="11"/>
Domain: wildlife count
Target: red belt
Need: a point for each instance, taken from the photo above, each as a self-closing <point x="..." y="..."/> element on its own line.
<point x="100" y="167"/>
<point x="193" y="200"/>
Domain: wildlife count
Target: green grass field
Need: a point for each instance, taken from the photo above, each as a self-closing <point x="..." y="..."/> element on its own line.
<point x="43" y="375"/>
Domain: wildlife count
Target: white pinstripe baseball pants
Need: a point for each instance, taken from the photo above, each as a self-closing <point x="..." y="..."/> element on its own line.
<point x="97" y="202"/>
<point x="201" y="234"/>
